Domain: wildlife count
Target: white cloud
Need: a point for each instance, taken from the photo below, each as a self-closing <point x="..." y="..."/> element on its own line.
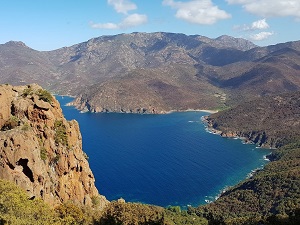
<point x="122" y="6"/>
<point x="256" y="25"/>
<point x="197" y="11"/>
<point x="261" y="36"/>
<point x="270" y="8"/>
<point x="132" y="20"/>
<point x="260" y="25"/>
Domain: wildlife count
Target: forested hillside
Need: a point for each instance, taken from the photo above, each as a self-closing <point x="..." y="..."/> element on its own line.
<point x="271" y="121"/>
<point x="271" y="195"/>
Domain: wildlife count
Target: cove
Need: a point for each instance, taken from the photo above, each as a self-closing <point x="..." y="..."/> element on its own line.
<point x="164" y="160"/>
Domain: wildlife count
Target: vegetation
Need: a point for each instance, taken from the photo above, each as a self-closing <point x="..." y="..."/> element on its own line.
<point x="141" y="214"/>
<point x="271" y="195"/>
<point x="17" y="209"/>
<point x="27" y="91"/>
<point x="272" y="121"/>
<point x="132" y="214"/>
<point x="174" y="215"/>
<point x="70" y="213"/>
<point x="44" y="95"/>
<point x="60" y="133"/>
<point x="43" y="153"/>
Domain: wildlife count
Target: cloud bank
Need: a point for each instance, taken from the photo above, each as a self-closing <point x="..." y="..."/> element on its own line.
<point x="197" y="11"/>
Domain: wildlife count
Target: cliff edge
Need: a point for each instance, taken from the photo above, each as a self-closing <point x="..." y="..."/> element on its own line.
<point x="41" y="151"/>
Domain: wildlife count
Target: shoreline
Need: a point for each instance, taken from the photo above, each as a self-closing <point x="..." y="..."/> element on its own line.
<point x="187" y="110"/>
<point x="210" y="111"/>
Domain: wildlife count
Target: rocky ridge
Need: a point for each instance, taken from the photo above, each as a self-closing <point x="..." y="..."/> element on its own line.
<point x="258" y="121"/>
<point x="40" y="150"/>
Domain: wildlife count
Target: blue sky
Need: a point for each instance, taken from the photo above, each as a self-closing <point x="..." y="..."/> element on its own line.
<point x="52" y="24"/>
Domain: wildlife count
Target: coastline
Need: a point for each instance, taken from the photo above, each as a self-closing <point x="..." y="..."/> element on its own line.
<point x="72" y="103"/>
<point x="233" y="135"/>
<point x="208" y="111"/>
<point x="244" y="140"/>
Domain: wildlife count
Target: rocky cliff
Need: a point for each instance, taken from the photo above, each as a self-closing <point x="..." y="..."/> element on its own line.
<point x="40" y="150"/>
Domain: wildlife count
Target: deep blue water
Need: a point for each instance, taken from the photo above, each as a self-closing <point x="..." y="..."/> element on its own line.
<point x="161" y="159"/>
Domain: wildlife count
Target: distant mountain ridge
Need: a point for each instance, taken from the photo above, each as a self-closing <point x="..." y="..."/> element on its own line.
<point x="156" y="72"/>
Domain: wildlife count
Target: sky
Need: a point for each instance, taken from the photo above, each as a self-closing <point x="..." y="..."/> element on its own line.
<point x="51" y="24"/>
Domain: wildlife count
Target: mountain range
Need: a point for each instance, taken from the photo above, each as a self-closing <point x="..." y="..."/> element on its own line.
<point x="156" y="72"/>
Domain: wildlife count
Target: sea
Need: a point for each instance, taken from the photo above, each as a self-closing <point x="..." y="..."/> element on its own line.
<point x="168" y="159"/>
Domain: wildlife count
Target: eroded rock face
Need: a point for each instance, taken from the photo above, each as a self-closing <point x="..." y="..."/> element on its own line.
<point x="40" y="150"/>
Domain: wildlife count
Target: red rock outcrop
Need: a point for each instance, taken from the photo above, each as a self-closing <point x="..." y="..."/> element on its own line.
<point x="40" y="150"/>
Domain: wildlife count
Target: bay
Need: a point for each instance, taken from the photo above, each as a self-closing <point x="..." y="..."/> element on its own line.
<point x="164" y="160"/>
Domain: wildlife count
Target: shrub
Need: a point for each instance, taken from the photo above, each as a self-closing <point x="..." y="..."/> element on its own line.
<point x="60" y="133"/>
<point x="43" y="153"/>
<point x="16" y="208"/>
<point x="44" y="95"/>
<point x="70" y="213"/>
<point x="27" y="91"/>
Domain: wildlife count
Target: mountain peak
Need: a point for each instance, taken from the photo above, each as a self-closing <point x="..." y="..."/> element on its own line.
<point x="16" y="43"/>
<point x="236" y="42"/>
